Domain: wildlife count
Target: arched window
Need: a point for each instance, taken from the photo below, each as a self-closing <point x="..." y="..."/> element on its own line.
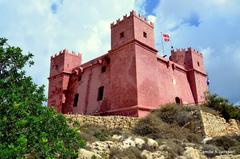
<point x="178" y="100"/>
<point x="75" y="102"/>
<point x="100" y="93"/>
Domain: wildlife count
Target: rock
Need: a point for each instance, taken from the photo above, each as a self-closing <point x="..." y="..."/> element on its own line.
<point x="191" y="153"/>
<point x="206" y="139"/>
<point x="101" y="147"/>
<point x="139" y="142"/>
<point x="146" y="154"/>
<point x="128" y="143"/>
<point x="152" y="155"/>
<point x="85" y="154"/>
<point x="152" y="143"/>
<point x="117" y="137"/>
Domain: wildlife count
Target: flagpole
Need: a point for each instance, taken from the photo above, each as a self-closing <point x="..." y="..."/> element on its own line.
<point x="162" y="44"/>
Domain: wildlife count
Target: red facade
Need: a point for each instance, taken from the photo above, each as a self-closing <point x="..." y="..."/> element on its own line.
<point x="130" y="79"/>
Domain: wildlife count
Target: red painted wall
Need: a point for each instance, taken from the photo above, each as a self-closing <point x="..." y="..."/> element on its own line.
<point x="136" y="80"/>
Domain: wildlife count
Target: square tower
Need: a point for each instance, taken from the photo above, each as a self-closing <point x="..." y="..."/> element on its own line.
<point x="61" y="68"/>
<point x="130" y="28"/>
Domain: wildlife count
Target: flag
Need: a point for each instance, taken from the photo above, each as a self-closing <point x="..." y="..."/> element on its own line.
<point x="166" y="37"/>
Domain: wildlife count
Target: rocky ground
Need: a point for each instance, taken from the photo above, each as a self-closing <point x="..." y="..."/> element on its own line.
<point x="165" y="134"/>
<point x="129" y="147"/>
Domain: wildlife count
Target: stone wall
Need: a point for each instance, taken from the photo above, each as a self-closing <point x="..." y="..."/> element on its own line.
<point x="203" y="123"/>
<point x="110" y="122"/>
<point x="216" y="126"/>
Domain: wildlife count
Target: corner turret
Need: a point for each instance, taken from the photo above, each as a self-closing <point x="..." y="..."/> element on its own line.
<point x="61" y="67"/>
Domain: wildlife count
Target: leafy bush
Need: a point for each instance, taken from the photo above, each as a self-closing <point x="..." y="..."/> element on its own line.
<point x="168" y="122"/>
<point x="223" y="106"/>
<point x="29" y="130"/>
<point x="174" y="114"/>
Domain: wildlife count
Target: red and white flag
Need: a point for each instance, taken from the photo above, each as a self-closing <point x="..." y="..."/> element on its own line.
<point x="166" y="37"/>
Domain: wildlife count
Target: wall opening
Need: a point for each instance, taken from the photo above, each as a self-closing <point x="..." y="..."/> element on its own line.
<point x="103" y="69"/>
<point x="144" y="34"/>
<point x="178" y="100"/>
<point x="75" y="102"/>
<point x="80" y="78"/>
<point x="121" y="34"/>
<point x="100" y="93"/>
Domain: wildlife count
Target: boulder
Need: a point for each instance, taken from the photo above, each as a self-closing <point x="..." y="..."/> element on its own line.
<point x="128" y="143"/>
<point x="152" y="143"/>
<point x="146" y="154"/>
<point x="139" y="142"/>
<point x="85" y="154"/>
<point x="152" y="155"/>
<point x="117" y="137"/>
<point x="191" y="153"/>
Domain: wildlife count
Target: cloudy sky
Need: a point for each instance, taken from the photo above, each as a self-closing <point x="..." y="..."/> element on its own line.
<point x="45" y="27"/>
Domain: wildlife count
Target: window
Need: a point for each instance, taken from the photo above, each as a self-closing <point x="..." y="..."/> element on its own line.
<point x="121" y="34"/>
<point x="75" y="102"/>
<point x="56" y="67"/>
<point x="178" y="100"/>
<point x="144" y="34"/>
<point x="80" y="78"/>
<point x="198" y="63"/>
<point x="100" y="93"/>
<point x="103" y="69"/>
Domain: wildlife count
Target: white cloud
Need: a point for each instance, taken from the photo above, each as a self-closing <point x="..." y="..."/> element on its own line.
<point x="78" y="25"/>
<point x="151" y="18"/>
<point x="216" y="35"/>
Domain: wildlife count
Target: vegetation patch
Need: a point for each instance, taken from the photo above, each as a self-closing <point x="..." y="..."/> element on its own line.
<point x="28" y="129"/>
<point x="168" y="122"/>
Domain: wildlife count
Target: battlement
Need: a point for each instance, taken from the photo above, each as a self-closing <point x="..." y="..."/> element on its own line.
<point x="188" y="50"/>
<point x="65" y="51"/>
<point x="132" y="13"/>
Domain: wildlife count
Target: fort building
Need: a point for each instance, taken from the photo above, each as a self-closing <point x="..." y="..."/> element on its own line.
<point x="130" y="79"/>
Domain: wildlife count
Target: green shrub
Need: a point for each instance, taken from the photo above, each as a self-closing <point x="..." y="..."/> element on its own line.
<point x="167" y="123"/>
<point x="28" y="129"/>
<point x="223" y="106"/>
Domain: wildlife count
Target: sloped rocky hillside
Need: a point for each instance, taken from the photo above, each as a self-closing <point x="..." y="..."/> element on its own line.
<point x="170" y="132"/>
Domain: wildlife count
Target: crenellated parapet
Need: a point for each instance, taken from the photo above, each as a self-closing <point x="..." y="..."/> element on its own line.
<point x="132" y="13"/>
<point x="188" y="50"/>
<point x="65" y="51"/>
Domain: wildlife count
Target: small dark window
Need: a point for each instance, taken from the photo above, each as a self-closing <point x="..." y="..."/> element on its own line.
<point x="198" y="63"/>
<point x="100" y="93"/>
<point x="103" y="69"/>
<point x="121" y="34"/>
<point x="144" y="34"/>
<point x="75" y="102"/>
<point x="56" y="67"/>
<point x="80" y="78"/>
<point x="178" y="100"/>
<point x="107" y="60"/>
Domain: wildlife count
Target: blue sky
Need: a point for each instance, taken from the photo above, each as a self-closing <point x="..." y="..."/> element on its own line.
<point x="45" y="27"/>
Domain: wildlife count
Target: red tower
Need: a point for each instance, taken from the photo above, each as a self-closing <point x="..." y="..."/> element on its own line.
<point x="192" y="61"/>
<point x="61" y="68"/>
